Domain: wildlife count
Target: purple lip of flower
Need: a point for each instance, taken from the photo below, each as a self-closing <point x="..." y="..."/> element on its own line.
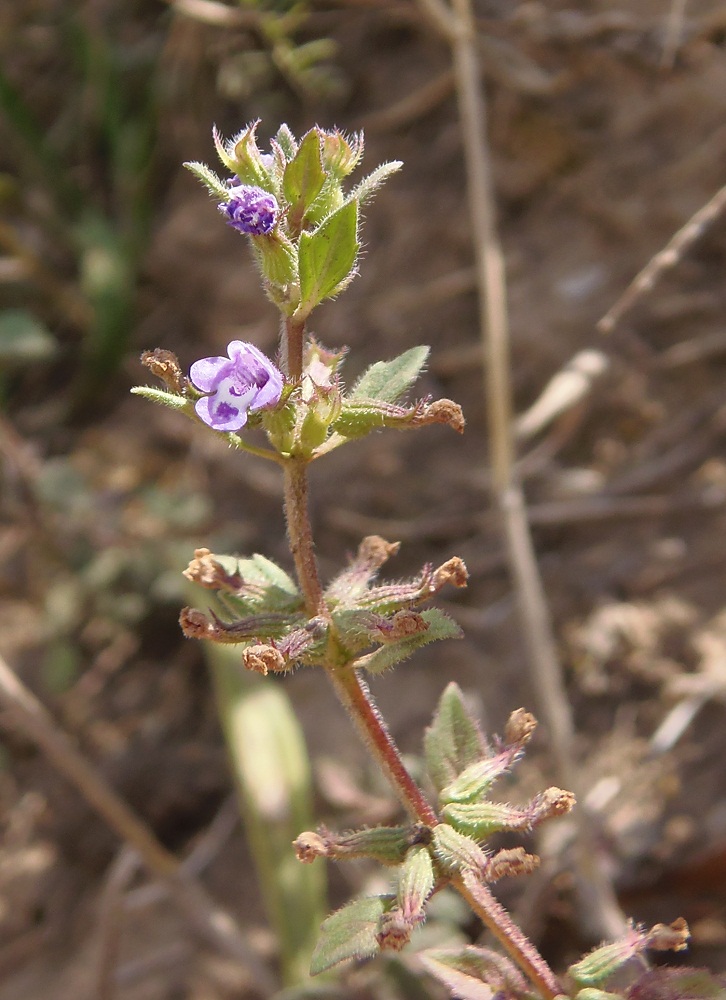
<point x="250" y="209"/>
<point x="244" y="382"/>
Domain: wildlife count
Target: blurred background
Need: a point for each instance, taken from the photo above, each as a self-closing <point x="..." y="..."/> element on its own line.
<point x="607" y="128"/>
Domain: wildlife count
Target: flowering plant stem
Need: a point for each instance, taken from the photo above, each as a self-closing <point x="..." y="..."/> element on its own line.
<point x="355" y="696"/>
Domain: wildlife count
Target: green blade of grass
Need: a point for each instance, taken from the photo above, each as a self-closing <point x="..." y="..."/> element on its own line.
<point x="272" y="771"/>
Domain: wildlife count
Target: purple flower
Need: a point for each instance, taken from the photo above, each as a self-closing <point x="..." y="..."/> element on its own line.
<point x="246" y="381"/>
<point x="250" y="209"/>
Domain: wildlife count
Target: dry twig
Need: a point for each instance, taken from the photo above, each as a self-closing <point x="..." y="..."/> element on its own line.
<point x="665" y="259"/>
<point x="457" y="24"/>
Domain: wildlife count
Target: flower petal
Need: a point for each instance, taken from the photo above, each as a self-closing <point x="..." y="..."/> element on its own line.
<point x="206" y="373"/>
<point x="220" y="418"/>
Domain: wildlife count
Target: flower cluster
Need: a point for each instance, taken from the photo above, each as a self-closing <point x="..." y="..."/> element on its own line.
<point x="244" y="382"/>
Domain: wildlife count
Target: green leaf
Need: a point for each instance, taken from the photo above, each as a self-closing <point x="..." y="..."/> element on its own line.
<point x="271" y="766"/>
<point x="264" y="572"/>
<point x="303" y="179"/>
<point x="440" y="626"/>
<point x="327" y="257"/>
<point x="364" y="191"/>
<point x="163" y="397"/>
<point x="473" y="973"/>
<point x="266" y="588"/>
<point x="453" y="741"/>
<point x="215" y="185"/>
<point x="349" y="933"/>
<point x="387" y="381"/>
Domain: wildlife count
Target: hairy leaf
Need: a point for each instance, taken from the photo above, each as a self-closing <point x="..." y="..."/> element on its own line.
<point x="214" y="184"/>
<point x="453" y="741"/>
<point x="387" y="381"/>
<point x="304" y="178"/>
<point x="327" y="256"/>
<point x="440" y="626"/>
<point x="163" y="397"/>
<point x="349" y="933"/>
<point x="452" y="969"/>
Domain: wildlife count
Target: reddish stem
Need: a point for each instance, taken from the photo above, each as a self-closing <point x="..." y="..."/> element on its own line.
<point x="510" y="936"/>
<point x="300" y="535"/>
<point x="293" y="342"/>
<point x="356" y="697"/>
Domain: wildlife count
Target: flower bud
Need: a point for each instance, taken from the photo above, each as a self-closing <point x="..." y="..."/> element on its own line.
<point x="322" y="409"/>
<point x="456" y="852"/>
<point x="250" y="210"/>
<point x="415" y="883"/>
<point x="340" y="155"/>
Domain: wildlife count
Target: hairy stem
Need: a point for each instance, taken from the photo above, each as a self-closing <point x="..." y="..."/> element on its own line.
<point x="293" y="340"/>
<point x="356" y="697"/>
<point x="300" y="534"/>
<point x="497" y="920"/>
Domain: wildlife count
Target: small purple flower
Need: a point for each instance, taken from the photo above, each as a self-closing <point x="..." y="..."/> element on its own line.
<point x="246" y="381"/>
<point x="250" y="209"/>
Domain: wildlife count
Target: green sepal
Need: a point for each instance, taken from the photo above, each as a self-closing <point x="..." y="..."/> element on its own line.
<point x="353" y="627"/>
<point x="365" y="190"/>
<point x="243" y="158"/>
<point x="359" y="417"/>
<point x="387" y="381"/>
<point x="215" y="185"/>
<point x="456" y="852"/>
<point x="475" y="781"/>
<point x="440" y="626"/>
<point x="481" y="819"/>
<point x="264" y="625"/>
<point x="164" y="398"/>
<point x="279" y="426"/>
<point x="327" y="257"/>
<point x="453" y="741"/>
<point x="286" y="141"/>
<point x="388" y="845"/>
<point x="341" y="155"/>
<point x="262" y="585"/>
<point x="349" y="933"/>
<point x="416" y="881"/>
<point x="600" y="964"/>
<point x="322" y="409"/>
<point x="303" y="179"/>
<point x="276" y="258"/>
